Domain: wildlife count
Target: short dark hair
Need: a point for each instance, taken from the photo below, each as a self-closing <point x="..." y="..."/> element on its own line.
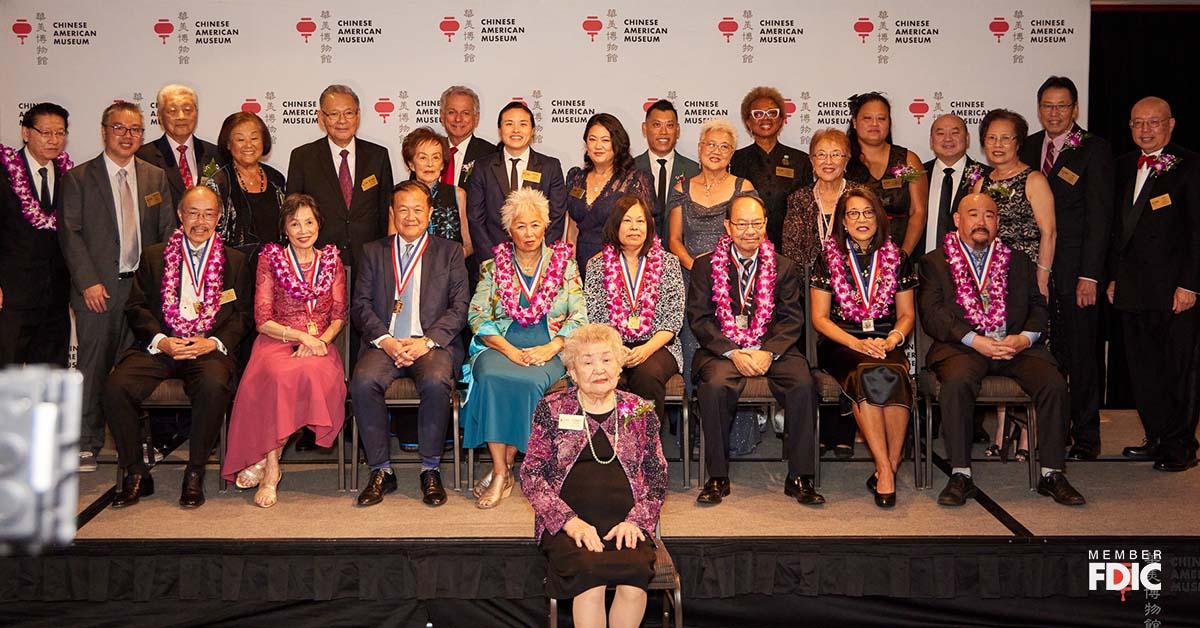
<point x="1060" y="82"/>
<point x="43" y="109"/>
<point x="516" y="104"/>
<point x="1020" y="126"/>
<point x="412" y="186"/>
<point x="120" y="105"/>
<point x="735" y="197"/>
<point x="292" y="204"/>
<point x="421" y="135"/>
<point x="662" y="104"/>
<point x="622" y="160"/>
<point x="233" y="120"/>
<point x="612" y="226"/>
<point x="838" y="228"/>
<point x="857" y="102"/>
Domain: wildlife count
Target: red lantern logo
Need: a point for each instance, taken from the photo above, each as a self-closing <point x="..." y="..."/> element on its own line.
<point x="649" y="103"/>
<point x="918" y="108"/>
<point x="592" y="26"/>
<point x="163" y="28"/>
<point x="998" y="26"/>
<point x="449" y="26"/>
<point x="789" y="108"/>
<point x="306" y="27"/>
<point x="21" y="28"/>
<point x="864" y="27"/>
<point x="384" y="107"/>
<point x="251" y="106"/>
<point x="728" y="26"/>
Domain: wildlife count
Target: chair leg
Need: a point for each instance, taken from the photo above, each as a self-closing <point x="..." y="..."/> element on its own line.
<point x="341" y="454"/>
<point x="224" y="486"/>
<point x="457" y="444"/>
<point x="471" y="468"/>
<point x="354" y="454"/>
<point x="685" y="442"/>
<point x="1032" y="459"/>
<point x="703" y="475"/>
<point x="929" y="443"/>
<point x="678" y="595"/>
<point x="817" y="446"/>
<point x="915" y="427"/>
<point x="666" y="609"/>
<point x="553" y="623"/>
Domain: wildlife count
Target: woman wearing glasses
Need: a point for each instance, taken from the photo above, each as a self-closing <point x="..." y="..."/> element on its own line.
<point x="251" y="191"/>
<point x="774" y="169"/>
<point x="810" y="209"/>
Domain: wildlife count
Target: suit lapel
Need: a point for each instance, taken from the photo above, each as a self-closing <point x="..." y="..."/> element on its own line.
<point x="534" y="165"/>
<point x="502" y="173"/>
<point x="100" y="179"/>
<point x="329" y="168"/>
<point x="361" y="169"/>
<point x="148" y="225"/>
<point x="1135" y="207"/>
<point x="164" y="149"/>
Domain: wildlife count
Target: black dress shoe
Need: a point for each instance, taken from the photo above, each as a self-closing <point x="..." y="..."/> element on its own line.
<point x="843" y="451"/>
<point x="1055" y="485"/>
<point x="432" y="492"/>
<point x="958" y="489"/>
<point x="714" y="490"/>
<point x="192" y="495"/>
<point x="379" y="484"/>
<point x="135" y="486"/>
<point x="804" y="490"/>
<point x="1148" y="450"/>
<point x="1082" y="452"/>
<point x="1174" y="466"/>
<point x="307" y="440"/>
<point x="885" y="500"/>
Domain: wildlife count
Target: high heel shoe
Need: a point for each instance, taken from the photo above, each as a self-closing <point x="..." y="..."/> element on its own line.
<point x="992" y="451"/>
<point x="873" y="483"/>
<point x="251" y="475"/>
<point x="481" y="485"/>
<point x="495" y="493"/>
<point x="885" y="500"/>
<point x="269" y="493"/>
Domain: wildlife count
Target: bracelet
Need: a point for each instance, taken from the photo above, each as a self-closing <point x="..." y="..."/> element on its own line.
<point x="1040" y="267"/>
<point x="897" y="331"/>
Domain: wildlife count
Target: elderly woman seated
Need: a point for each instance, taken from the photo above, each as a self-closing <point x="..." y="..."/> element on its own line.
<point x="593" y="519"/>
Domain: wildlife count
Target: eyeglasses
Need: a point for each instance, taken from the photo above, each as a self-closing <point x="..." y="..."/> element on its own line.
<point x="1055" y="108"/>
<point x="824" y="156"/>
<point x="720" y="148"/>
<point x="864" y="214"/>
<point x="1000" y="140"/>
<point x="120" y="130"/>
<point x="742" y="227"/>
<point x="348" y="114"/>
<point x="58" y="135"/>
<point x="1151" y="123"/>
<point x="759" y="114"/>
<point x="206" y="216"/>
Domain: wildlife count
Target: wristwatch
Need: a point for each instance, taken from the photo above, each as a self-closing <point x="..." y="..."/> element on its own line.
<point x="430" y="344"/>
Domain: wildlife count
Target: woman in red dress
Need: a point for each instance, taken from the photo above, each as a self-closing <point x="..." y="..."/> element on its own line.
<point x="294" y="377"/>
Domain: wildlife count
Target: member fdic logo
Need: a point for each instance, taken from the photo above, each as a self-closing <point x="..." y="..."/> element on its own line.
<point x="1124" y="570"/>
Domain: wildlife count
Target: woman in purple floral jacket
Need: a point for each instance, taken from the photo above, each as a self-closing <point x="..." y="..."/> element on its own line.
<point x="595" y="520"/>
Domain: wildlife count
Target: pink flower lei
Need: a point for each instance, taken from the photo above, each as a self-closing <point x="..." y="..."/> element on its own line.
<point x="173" y="259"/>
<point x="966" y="293"/>
<point x="764" y="293"/>
<point x="618" y="310"/>
<point x="849" y="299"/>
<point x="281" y="267"/>
<point x="31" y="207"/>
<point x="543" y="297"/>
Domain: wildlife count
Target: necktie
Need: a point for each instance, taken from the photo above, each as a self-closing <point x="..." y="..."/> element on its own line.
<point x="44" y="193"/>
<point x="129" y="241"/>
<point x="448" y="173"/>
<point x="344" y="179"/>
<point x="1146" y="161"/>
<point x="746" y="270"/>
<point x="403" y="325"/>
<point x="944" y="204"/>
<point x="662" y="187"/>
<point x="1048" y="164"/>
<point x="512" y="177"/>
<point x="185" y="172"/>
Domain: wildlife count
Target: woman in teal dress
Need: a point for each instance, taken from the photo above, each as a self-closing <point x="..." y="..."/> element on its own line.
<point x="529" y="299"/>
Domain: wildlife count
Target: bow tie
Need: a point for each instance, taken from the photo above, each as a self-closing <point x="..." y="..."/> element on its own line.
<point x="1147" y="161"/>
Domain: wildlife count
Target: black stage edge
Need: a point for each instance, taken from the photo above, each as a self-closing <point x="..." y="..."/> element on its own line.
<point x="844" y="581"/>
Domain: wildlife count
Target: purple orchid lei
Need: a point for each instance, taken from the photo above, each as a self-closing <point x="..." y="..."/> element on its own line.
<point x="618" y="311"/>
<point x="764" y="293"/>
<point x="212" y="281"/>
<point x="31" y="207"/>
<point x="967" y="293"/>
<point x="295" y="287"/>
<point x="543" y="296"/>
<point x="883" y="292"/>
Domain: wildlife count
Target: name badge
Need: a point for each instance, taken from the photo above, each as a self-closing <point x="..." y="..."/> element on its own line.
<point x="1066" y="175"/>
<point x="532" y="176"/>
<point x="228" y="296"/>
<point x="781" y="171"/>
<point x="369" y="183"/>
<point x="1159" y="202"/>
<point x="892" y="184"/>
<point x="573" y="422"/>
<point x="577" y="192"/>
<point x="153" y="198"/>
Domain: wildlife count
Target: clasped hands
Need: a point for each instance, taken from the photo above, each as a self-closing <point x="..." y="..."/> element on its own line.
<point x="1005" y="349"/>
<point x="586" y="536"/>
<point x="404" y="351"/>
<point x="533" y="356"/>
<point x="188" y="348"/>
<point x="874" y="347"/>
<point x="751" y="362"/>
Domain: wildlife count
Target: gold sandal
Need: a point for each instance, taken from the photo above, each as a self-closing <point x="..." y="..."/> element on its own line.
<point x="481" y="485"/>
<point x="251" y="475"/>
<point x="494" y="494"/>
<point x="269" y="493"/>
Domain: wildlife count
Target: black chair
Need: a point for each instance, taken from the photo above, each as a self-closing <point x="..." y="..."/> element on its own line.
<point x="676" y="396"/>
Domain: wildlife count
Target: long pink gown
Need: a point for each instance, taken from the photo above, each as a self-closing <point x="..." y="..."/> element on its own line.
<point x="279" y="393"/>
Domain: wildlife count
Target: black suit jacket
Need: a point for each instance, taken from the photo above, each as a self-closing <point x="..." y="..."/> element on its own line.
<point x="476" y="149"/>
<point x="159" y="153"/>
<point x="1083" y="209"/>
<point x="144" y="307"/>
<point x="945" y="322"/>
<point x="935" y="178"/>
<point x="312" y="171"/>
<point x="787" y="321"/>
<point x="444" y="293"/>
<point x="1155" y="251"/>
<point x="32" y="270"/>
<point x="489" y="187"/>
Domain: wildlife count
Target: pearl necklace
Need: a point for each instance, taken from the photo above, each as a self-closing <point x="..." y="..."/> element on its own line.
<point x="616" y="434"/>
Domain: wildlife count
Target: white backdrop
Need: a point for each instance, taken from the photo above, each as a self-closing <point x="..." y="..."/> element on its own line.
<point x="566" y="58"/>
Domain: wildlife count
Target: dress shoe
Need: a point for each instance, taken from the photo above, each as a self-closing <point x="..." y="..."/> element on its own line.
<point x="1148" y="450"/>
<point x="958" y="489"/>
<point x="307" y="440"/>
<point x="1174" y="466"/>
<point x="843" y="451"/>
<point x="885" y="500"/>
<point x="714" y="490"/>
<point x="135" y="486"/>
<point x="379" y="484"/>
<point x="432" y="492"/>
<point x="804" y="490"/>
<point x="1055" y="485"/>
<point x="192" y="495"/>
<point x="1082" y="452"/>
<point x="496" y="492"/>
<point x="873" y="483"/>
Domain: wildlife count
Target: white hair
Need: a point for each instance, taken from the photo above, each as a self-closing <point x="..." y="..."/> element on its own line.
<point x="719" y="125"/>
<point x="591" y="334"/>
<point x="460" y="90"/>
<point x="175" y="89"/>
<point x="523" y="199"/>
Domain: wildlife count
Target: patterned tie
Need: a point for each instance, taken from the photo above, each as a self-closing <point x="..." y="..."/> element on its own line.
<point x="129" y="241"/>
<point x="747" y="270"/>
<point x="448" y="173"/>
<point x="512" y="177"/>
<point x="185" y="172"/>
<point x="403" y="325"/>
<point x="344" y="179"/>
<point x="1048" y="164"/>
<point x="44" y="193"/>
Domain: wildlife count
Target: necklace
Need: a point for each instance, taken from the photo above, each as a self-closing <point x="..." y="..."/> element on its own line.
<point x="594" y="190"/>
<point x="709" y="184"/>
<point x="825" y="223"/>
<point x="616" y="435"/>
<point x="262" y="180"/>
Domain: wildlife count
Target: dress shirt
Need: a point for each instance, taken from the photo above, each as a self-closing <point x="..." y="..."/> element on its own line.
<point x="1143" y="174"/>
<point x="412" y="309"/>
<point x="670" y="157"/>
<point x="35" y="184"/>
<point x="935" y="197"/>
<point x="457" y="162"/>
<point x="522" y="165"/>
<point x="1058" y="143"/>
<point x="114" y="183"/>
<point x="336" y="151"/>
<point x="190" y="154"/>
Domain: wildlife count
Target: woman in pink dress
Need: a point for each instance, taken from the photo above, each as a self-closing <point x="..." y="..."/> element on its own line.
<point x="294" y="377"/>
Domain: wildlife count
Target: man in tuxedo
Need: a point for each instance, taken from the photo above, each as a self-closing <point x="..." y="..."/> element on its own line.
<point x="460" y="117"/>
<point x="422" y="276"/>
<point x="34" y="323"/>
<point x="515" y="166"/>
<point x="199" y="354"/>
<point x="112" y="208"/>
<point x="1079" y="167"/>
<point x="661" y="160"/>
<point x="963" y="353"/>
<point x="721" y="364"/>
<point x="179" y="152"/>
<point x="350" y="178"/>
<point x="948" y="183"/>
<point x="1155" y="276"/>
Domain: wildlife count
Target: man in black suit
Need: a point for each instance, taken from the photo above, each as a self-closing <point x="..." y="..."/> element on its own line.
<point x="721" y="364"/>
<point x="1155" y="276"/>
<point x="180" y="154"/>
<point x="1079" y="168"/>
<point x="191" y="343"/>
<point x="515" y="166"/>
<point x="948" y="177"/>
<point x="661" y="160"/>
<point x="34" y="323"/>
<point x="963" y="352"/>
<point x="460" y="117"/>
<point x="423" y="277"/>
<point x="350" y="178"/>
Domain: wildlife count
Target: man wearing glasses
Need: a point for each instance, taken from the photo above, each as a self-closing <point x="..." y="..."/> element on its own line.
<point x="179" y="152"/>
<point x="948" y="180"/>
<point x="113" y="206"/>
<point x="1156" y="274"/>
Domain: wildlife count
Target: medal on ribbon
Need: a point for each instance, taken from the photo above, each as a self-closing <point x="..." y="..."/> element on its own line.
<point x="403" y="271"/>
<point x="310" y="304"/>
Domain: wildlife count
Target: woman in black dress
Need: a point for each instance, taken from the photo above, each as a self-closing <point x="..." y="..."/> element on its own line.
<point x="862" y="306"/>
<point x="424" y="151"/>
<point x="251" y="191"/>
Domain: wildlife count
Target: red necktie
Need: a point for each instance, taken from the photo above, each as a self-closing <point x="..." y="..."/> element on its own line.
<point x="1048" y="165"/>
<point x="345" y="180"/>
<point x="448" y="172"/>
<point x="1146" y="161"/>
<point x="184" y="171"/>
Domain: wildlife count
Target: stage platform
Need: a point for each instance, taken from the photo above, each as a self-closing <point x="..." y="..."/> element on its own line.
<point x="1009" y="557"/>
